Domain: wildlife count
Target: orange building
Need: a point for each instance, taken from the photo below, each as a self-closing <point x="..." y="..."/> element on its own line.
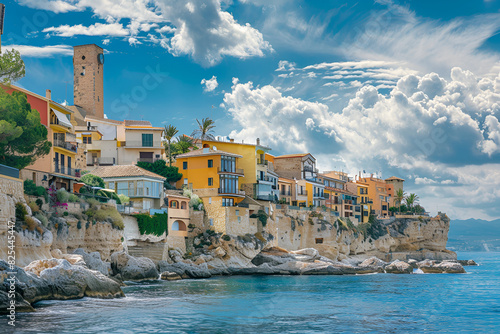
<point x="381" y="193"/>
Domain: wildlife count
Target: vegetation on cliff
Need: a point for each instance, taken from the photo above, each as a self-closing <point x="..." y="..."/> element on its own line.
<point x="155" y="225"/>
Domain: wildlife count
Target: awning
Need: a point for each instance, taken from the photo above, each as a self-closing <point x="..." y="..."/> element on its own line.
<point x="63" y="120"/>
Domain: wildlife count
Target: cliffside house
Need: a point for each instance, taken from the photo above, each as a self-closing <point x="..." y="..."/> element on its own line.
<point x="302" y="168"/>
<point x="144" y="188"/>
<point x="260" y="181"/>
<point x="178" y="219"/>
<point x="58" y="167"/>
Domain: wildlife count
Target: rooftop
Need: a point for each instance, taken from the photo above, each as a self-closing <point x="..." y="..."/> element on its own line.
<point x="128" y="122"/>
<point x="394" y="178"/>
<point x="206" y="152"/>
<point x="297" y="155"/>
<point x="123" y="171"/>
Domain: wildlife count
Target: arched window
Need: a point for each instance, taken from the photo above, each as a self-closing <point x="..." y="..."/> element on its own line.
<point x="178" y="225"/>
<point x="183" y="205"/>
<point x="174" y="204"/>
<point x="206" y="146"/>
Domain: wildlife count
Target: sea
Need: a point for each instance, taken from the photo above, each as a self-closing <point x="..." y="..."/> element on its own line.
<point x="373" y="303"/>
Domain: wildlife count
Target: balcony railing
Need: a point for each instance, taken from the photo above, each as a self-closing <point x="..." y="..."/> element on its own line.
<point x="264" y="178"/>
<point x="319" y="195"/>
<point x="231" y="192"/>
<point x="302" y="193"/>
<point x="230" y="171"/>
<point x="139" y="143"/>
<point x="66" y="170"/>
<point x="262" y="162"/>
<point x="286" y="193"/>
<point x="310" y="169"/>
<point x="266" y="197"/>
<point x="65" y="145"/>
<point x="103" y="161"/>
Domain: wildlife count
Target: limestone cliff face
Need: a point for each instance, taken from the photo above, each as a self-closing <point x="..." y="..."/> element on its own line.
<point x="401" y="238"/>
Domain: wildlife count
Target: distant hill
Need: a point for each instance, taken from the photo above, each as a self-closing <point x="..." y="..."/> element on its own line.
<point x="474" y="235"/>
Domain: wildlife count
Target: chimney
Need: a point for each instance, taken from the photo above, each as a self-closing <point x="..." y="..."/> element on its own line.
<point x="48" y="94"/>
<point x="258" y="141"/>
<point x="231" y="140"/>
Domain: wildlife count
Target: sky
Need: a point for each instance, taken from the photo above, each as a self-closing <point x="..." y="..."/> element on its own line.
<point x="396" y="88"/>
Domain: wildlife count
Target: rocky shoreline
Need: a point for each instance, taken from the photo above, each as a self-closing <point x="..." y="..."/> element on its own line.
<point x="82" y="274"/>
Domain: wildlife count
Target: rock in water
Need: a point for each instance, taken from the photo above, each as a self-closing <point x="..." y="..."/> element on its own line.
<point x="185" y="270"/>
<point x="170" y="276"/>
<point x="451" y="267"/>
<point x="398" y="267"/>
<point x="433" y="267"/>
<point x="133" y="268"/>
<point x="94" y="262"/>
<point x="374" y="263"/>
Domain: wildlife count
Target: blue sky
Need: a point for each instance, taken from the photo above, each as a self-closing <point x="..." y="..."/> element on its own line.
<point x="405" y="88"/>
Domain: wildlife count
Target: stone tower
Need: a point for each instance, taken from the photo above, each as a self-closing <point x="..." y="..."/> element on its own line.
<point x="88" y="92"/>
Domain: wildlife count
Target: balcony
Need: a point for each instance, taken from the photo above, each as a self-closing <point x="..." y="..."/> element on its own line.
<point x="66" y="170"/>
<point x="234" y="171"/>
<point x="262" y="162"/>
<point x="227" y="192"/>
<point x="66" y="145"/>
<point x="102" y="161"/>
<point x="266" y="197"/>
<point x="302" y="193"/>
<point x="319" y="195"/>
<point x="310" y="169"/>
<point x="264" y="178"/>
<point x="141" y="144"/>
<point x="286" y="193"/>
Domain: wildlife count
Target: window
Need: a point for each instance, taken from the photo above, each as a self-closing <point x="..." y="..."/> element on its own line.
<point x="210" y="200"/>
<point x="111" y="185"/>
<point x="239" y="219"/>
<point x="148" y="188"/>
<point x="131" y="189"/>
<point x="227" y="202"/>
<point x="122" y="188"/>
<point x="210" y="181"/>
<point x="319" y="240"/>
<point x="228" y="164"/>
<point x="185" y="165"/>
<point x="237" y="212"/>
<point x="140" y="188"/>
<point x="229" y="184"/>
<point x="210" y="163"/>
<point x="211" y="221"/>
<point x="147" y="140"/>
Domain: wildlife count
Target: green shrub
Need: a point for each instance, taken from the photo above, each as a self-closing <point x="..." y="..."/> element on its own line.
<point x="20" y="211"/>
<point x="33" y="206"/>
<point x="156" y="224"/>
<point x="123" y="199"/>
<point x="92" y="202"/>
<point x="62" y="195"/>
<point x="42" y="219"/>
<point x="226" y="237"/>
<point x="110" y="214"/>
<point x="262" y="216"/>
<point x="32" y="224"/>
<point x="39" y="202"/>
<point x="73" y="198"/>
<point x="30" y="188"/>
<point x="79" y="225"/>
<point x="92" y="180"/>
<point x="65" y="214"/>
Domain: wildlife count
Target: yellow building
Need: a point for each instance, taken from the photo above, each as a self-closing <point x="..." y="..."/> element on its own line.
<point x="260" y="180"/>
<point x="215" y="176"/>
<point x="139" y="141"/>
<point x="365" y="201"/>
<point x="380" y="193"/>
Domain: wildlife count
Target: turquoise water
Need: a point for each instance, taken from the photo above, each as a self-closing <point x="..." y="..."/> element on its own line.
<point x="298" y="304"/>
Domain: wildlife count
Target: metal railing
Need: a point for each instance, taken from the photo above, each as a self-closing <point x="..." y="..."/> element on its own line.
<point x="102" y="161"/>
<point x="65" y="145"/>
<point x="230" y="171"/>
<point x="302" y="193"/>
<point x="9" y="171"/>
<point x="230" y="192"/>
<point x="286" y="193"/>
<point x="262" y="162"/>
<point x="66" y="170"/>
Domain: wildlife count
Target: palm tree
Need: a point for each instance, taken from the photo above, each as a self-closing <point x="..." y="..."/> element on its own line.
<point x="170" y="132"/>
<point x="183" y="144"/>
<point x="411" y="200"/>
<point x="205" y="129"/>
<point x="399" y="197"/>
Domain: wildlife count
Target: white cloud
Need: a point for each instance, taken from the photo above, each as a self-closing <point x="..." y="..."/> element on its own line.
<point x="207" y="33"/>
<point x="105" y="41"/>
<point x="285" y="65"/>
<point x="56" y="6"/>
<point x="97" y="29"/>
<point x="42" y="51"/>
<point x="210" y="84"/>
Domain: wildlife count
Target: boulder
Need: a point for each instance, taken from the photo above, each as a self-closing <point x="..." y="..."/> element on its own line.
<point x="467" y="262"/>
<point x="185" y="270"/>
<point x="175" y="255"/>
<point x="21" y="305"/>
<point x="56" y="253"/>
<point x="373" y="262"/>
<point x="133" y="268"/>
<point x="272" y="259"/>
<point x="398" y="267"/>
<point x="170" y="276"/>
<point x="94" y="262"/>
<point x="413" y="263"/>
<point x="450" y="267"/>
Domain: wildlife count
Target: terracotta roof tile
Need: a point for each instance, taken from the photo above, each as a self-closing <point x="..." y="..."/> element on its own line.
<point x="137" y="123"/>
<point x="123" y="171"/>
<point x="204" y="151"/>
